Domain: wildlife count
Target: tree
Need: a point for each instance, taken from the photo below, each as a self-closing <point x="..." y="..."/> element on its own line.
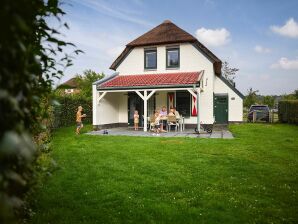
<point x="296" y="93"/>
<point x="251" y="98"/>
<point x="85" y="82"/>
<point x="268" y="100"/>
<point x="229" y="73"/>
<point x="29" y="63"/>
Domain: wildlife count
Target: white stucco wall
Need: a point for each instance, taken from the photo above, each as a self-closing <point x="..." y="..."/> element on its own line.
<point x="110" y="109"/>
<point x="123" y="112"/>
<point x="191" y="60"/>
<point x="236" y="105"/>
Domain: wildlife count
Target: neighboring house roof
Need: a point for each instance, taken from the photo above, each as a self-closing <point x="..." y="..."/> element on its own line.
<point x="163" y="80"/>
<point x="167" y="33"/>
<point x="69" y="84"/>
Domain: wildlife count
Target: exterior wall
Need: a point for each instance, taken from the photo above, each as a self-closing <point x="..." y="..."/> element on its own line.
<point x="235" y="106"/>
<point x="110" y="109"/>
<point x="190" y="60"/>
<point x="123" y="112"/>
<point x="160" y="99"/>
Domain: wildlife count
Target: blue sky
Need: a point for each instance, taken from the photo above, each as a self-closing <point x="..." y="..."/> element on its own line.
<point x="258" y="37"/>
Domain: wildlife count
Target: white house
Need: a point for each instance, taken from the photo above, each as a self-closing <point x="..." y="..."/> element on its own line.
<point x="165" y="67"/>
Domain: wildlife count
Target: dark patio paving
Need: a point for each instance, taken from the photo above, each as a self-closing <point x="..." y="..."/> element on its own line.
<point x="223" y="133"/>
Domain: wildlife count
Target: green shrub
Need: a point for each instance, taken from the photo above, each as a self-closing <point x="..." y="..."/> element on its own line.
<point x="29" y="64"/>
<point x="65" y="112"/>
<point x="288" y="111"/>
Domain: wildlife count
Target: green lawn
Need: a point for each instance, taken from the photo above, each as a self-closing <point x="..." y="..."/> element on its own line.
<point x="104" y="179"/>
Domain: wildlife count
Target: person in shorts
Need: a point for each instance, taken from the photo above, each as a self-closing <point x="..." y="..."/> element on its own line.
<point x="136" y="118"/>
<point x="79" y="117"/>
<point x="156" y="123"/>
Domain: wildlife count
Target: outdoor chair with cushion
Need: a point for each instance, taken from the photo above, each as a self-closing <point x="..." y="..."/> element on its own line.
<point x="172" y="121"/>
<point x="151" y="122"/>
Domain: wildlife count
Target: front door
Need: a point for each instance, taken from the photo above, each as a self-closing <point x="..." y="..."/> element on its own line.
<point x="135" y="103"/>
<point x="221" y="109"/>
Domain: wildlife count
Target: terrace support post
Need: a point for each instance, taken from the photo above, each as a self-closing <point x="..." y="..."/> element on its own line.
<point x="198" y="110"/>
<point x="145" y="110"/>
<point x="94" y="105"/>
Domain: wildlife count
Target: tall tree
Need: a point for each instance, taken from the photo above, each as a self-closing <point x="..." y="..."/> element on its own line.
<point x="296" y="94"/>
<point x="250" y="98"/>
<point x="228" y="72"/>
<point x="268" y="100"/>
<point x="85" y="82"/>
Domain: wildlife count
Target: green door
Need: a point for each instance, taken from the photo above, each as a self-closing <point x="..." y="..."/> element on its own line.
<point x="221" y="109"/>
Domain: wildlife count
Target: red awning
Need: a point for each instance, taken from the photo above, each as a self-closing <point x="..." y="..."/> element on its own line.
<point x="152" y="80"/>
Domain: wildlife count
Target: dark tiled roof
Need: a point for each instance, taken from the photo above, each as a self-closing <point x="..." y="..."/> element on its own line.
<point x="71" y="83"/>
<point x="167" y="33"/>
<point x="151" y="80"/>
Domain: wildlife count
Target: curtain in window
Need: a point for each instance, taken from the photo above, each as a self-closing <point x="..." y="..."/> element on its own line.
<point x="171" y="102"/>
<point x="194" y="110"/>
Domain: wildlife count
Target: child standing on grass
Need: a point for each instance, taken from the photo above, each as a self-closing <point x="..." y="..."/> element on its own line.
<point x="136" y="120"/>
<point x="79" y="117"/>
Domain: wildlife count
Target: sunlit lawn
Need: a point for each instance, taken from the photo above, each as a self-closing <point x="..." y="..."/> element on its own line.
<point x="106" y="179"/>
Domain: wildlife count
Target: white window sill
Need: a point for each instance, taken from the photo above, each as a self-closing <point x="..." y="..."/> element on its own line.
<point x="149" y="70"/>
<point x="176" y="68"/>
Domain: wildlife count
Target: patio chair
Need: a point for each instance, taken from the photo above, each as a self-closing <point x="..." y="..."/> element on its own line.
<point x="172" y="121"/>
<point x="151" y="122"/>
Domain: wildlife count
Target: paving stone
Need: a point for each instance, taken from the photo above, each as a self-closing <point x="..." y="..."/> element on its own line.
<point x="186" y="134"/>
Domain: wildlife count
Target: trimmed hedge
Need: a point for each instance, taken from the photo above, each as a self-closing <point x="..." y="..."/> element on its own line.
<point x="65" y="112"/>
<point x="288" y="111"/>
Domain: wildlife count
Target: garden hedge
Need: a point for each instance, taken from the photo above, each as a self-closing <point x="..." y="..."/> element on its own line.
<point x="65" y="111"/>
<point x="288" y="111"/>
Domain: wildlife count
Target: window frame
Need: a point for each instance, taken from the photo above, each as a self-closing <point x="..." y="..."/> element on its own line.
<point x="145" y="54"/>
<point x="171" y="49"/>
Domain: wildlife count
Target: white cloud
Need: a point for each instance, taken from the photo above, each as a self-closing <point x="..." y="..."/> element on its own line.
<point x="285" y="63"/>
<point x="290" y="29"/>
<point x="262" y="50"/>
<point x="216" y="37"/>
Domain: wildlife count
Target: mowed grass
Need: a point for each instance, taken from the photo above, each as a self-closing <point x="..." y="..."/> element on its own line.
<point x="111" y="179"/>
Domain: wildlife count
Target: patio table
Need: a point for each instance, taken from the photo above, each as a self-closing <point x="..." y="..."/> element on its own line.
<point x="180" y="120"/>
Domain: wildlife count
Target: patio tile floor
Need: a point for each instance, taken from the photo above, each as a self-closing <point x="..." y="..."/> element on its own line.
<point x="186" y="133"/>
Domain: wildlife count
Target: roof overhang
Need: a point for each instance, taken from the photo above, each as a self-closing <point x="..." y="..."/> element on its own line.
<point x="152" y="81"/>
<point x="162" y="87"/>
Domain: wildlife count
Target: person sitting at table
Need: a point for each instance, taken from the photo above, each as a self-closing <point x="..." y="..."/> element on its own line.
<point x="163" y="115"/>
<point x="172" y="112"/>
<point x="176" y="113"/>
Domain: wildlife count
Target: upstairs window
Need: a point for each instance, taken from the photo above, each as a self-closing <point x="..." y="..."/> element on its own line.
<point x="173" y="57"/>
<point x="150" y="59"/>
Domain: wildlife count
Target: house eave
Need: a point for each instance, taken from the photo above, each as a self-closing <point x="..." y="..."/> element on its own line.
<point x="232" y="87"/>
<point x="149" y="87"/>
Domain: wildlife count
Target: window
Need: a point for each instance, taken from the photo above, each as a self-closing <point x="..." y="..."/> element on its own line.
<point x="173" y="57"/>
<point x="150" y="59"/>
<point x="183" y="103"/>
